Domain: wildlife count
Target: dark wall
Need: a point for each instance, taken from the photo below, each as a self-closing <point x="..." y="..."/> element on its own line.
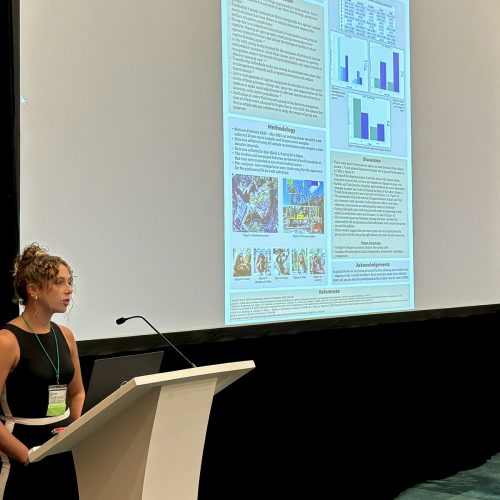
<point x="355" y="413"/>
<point x="350" y="413"/>
<point x="9" y="166"/>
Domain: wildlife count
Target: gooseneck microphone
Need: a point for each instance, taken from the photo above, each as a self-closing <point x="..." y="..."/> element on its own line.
<point x="120" y="321"/>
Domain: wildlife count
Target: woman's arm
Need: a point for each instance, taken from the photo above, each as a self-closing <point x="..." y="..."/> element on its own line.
<point x="76" y="392"/>
<point x="9" y="356"/>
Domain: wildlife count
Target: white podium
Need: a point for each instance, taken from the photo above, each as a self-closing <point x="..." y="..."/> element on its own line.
<point x="145" y="441"/>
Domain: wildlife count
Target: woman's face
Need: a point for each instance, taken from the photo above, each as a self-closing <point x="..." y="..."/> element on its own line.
<point x="56" y="294"/>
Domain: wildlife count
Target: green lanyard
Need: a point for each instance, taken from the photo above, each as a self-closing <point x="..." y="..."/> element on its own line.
<point x="43" y="348"/>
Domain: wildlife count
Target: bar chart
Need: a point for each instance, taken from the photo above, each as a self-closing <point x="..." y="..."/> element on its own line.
<point x="369" y="121"/>
<point x="387" y="71"/>
<point x="349" y="62"/>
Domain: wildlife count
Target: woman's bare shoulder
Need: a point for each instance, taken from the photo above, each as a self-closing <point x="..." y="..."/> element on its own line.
<point x="7" y="338"/>
<point x="9" y="348"/>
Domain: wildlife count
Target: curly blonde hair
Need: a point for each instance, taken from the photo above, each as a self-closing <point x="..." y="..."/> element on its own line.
<point x="35" y="266"/>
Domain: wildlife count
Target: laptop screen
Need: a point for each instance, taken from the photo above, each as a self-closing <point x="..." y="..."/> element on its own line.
<point x="108" y="374"/>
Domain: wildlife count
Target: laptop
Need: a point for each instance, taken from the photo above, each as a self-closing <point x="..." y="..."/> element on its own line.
<point x="108" y="374"/>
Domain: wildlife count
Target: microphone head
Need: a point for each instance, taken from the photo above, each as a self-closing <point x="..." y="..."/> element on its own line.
<point x="120" y="321"/>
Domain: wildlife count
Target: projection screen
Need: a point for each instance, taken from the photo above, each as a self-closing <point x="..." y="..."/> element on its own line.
<point x="226" y="163"/>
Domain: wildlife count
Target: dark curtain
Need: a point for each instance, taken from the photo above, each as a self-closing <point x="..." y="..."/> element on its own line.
<point x="9" y="170"/>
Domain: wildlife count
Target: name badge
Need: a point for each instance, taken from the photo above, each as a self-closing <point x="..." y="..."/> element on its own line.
<point x="57" y="400"/>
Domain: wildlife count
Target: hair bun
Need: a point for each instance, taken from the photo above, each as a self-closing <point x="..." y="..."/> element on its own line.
<point x="28" y="255"/>
<point x="33" y="251"/>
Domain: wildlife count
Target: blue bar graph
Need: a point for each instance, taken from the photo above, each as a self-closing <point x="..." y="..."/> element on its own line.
<point x="387" y="72"/>
<point x="369" y="121"/>
<point x="349" y="62"/>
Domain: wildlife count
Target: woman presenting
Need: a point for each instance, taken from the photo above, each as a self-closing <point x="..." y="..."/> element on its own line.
<point x="40" y="379"/>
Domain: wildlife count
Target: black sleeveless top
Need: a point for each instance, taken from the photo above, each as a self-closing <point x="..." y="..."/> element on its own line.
<point x="26" y="387"/>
